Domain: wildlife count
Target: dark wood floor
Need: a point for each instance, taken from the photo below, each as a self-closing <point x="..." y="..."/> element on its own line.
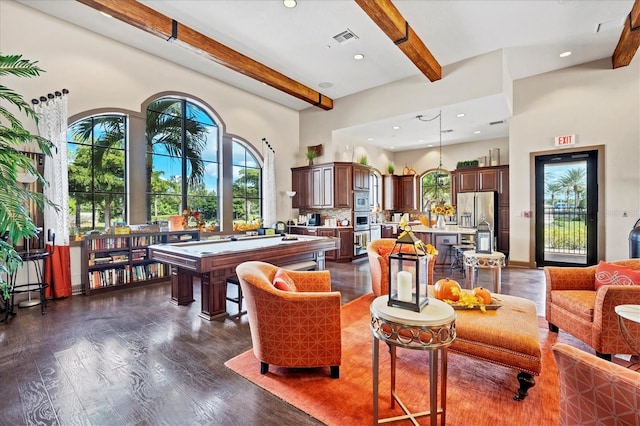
<point x="132" y="358"/>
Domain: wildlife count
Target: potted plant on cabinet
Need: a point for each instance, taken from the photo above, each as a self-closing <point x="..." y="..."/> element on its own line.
<point x="15" y="221"/>
<point x="311" y="155"/>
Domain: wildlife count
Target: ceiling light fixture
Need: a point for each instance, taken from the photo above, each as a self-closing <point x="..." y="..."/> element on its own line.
<point x="462" y="114"/>
<point x="106" y="14"/>
<point x="290" y="3"/>
<point x="440" y="171"/>
<point x="358" y="56"/>
<point x="565" y="54"/>
<point x="477" y="132"/>
<point x="396" y="127"/>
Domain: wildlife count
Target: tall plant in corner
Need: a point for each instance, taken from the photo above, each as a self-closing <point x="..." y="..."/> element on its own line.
<point x="15" y="221"/>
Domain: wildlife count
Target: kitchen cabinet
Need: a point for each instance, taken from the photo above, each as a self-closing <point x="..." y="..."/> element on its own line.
<point x="329" y="185"/>
<point x="342" y="193"/>
<point x="361" y="177"/>
<point x="301" y="184"/>
<point x="389" y="192"/>
<point x="389" y="231"/>
<point x="399" y="192"/>
<point x="407" y="192"/>
<point x="322" y="187"/>
<point x="344" y="253"/>
<point x="493" y="178"/>
<point x="487" y="180"/>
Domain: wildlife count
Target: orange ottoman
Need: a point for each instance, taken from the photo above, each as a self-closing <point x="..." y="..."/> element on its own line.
<point x="507" y="336"/>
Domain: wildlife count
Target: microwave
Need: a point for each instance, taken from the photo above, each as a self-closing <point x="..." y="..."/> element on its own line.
<point x="361" y="201"/>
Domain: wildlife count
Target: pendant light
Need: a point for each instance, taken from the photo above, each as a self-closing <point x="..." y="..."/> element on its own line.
<point x="440" y="171"/>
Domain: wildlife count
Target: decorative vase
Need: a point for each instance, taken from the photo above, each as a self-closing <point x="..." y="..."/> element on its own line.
<point x="441" y="222"/>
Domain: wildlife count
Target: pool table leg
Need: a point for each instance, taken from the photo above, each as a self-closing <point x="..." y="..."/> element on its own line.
<point x="181" y="287"/>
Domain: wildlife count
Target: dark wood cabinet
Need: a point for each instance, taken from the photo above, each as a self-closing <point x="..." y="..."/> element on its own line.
<point x="407" y="195"/>
<point x="344" y="253"/>
<point x="329" y="185"/>
<point x="389" y="231"/>
<point x="361" y="177"/>
<point x="342" y="192"/>
<point x="487" y="180"/>
<point x="389" y="192"/>
<point x="467" y="180"/>
<point x="493" y="178"/>
<point x="399" y="192"/>
<point x="301" y="184"/>
<point x="111" y="262"/>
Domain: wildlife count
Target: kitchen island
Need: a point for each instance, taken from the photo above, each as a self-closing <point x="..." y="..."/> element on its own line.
<point x="441" y="238"/>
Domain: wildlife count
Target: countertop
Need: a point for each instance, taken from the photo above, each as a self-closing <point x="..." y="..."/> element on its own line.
<point x="319" y="226"/>
<point x="448" y="229"/>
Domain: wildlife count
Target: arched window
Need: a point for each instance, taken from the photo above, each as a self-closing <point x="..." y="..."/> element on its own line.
<point x="182" y="160"/>
<point x="97" y="172"/>
<point x="435" y="188"/>
<point x="247" y="188"/>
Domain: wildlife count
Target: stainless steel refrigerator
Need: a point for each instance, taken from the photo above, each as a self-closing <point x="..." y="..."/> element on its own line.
<point x="473" y="207"/>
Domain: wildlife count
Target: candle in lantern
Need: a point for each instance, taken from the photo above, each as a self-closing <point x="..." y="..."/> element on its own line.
<point x="404" y="286"/>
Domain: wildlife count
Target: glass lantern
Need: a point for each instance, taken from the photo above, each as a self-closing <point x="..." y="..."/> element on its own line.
<point x="408" y="269"/>
<point x="484" y="238"/>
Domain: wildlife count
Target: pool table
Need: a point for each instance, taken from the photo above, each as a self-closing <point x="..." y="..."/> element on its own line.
<point x="213" y="261"/>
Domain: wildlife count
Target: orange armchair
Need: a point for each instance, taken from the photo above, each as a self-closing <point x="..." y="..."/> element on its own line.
<point x="378" y="252"/>
<point x="295" y="328"/>
<point x="594" y="391"/>
<point x="574" y="305"/>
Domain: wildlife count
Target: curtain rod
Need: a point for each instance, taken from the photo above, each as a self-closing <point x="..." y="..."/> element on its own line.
<point x="49" y="96"/>
<point x="264" y="140"/>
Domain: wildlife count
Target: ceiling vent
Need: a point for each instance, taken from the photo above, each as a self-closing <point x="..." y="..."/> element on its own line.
<point x="345" y="36"/>
<point x="447" y="131"/>
<point x="493" y="123"/>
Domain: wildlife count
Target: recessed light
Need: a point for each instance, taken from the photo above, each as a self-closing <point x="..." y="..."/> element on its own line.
<point x="565" y="54"/>
<point x="430" y="145"/>
<point x="325" y="84"/>
<point x="461" y="115"/>
<point x="392" y="147"/>
<point x="106" y="14"/>
<point x="358" y="56"/>
<point x="420" y="140"/>
<point x="396" y="127"/>
<point x="370" y="139"/>
<point x="290" y="3"/>
<point x="477" y="132"/>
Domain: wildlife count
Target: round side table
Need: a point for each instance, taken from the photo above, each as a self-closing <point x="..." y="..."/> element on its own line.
<point x="494" y="261"/>
<point x="630" y="313"/>
<point x="433" y="329"/>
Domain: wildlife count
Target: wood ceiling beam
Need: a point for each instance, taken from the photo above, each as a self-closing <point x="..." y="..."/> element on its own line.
<point x="393" y="24"/>
<point x="153" y="22"/>
<point x="629" y="39"/>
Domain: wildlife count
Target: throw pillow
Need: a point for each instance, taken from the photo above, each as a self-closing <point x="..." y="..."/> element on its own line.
<point x="610" y="274"/>
<point x="282" y="281"/>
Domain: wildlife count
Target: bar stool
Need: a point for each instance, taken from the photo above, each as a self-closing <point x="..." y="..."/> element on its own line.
<point x="38" y="257"/>
<point x="238" y="299"/>
<point x="458" y="258"/>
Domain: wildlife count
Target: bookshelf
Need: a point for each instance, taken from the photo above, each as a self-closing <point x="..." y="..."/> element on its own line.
<point x="112" y="262"/>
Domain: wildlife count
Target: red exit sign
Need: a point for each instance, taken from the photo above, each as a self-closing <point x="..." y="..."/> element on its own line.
<point x="565" y="140"/>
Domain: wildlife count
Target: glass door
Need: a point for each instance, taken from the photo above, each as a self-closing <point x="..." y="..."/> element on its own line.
<point x="566" y="209"/>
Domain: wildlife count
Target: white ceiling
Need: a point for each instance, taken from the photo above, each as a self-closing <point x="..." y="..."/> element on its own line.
<point x="299" y="43"/>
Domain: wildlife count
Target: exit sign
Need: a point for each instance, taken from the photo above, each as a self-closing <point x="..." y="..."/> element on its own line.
<point x="565" y="140"/>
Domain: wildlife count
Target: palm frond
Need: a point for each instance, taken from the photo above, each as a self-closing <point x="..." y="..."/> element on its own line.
<point x="15" y="65"/>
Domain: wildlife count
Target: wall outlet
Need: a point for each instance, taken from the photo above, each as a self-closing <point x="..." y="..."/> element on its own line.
<point x="526" y="214"/>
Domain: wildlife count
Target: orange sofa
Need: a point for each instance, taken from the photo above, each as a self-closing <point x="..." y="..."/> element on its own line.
<point x="594" y="391"/>
<point x="574" y="305"/>
<point x="299" y="327"/>
<point x="377" y="251"/>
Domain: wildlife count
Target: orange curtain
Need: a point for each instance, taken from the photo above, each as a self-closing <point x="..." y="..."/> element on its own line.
<point x="57" y="272"/>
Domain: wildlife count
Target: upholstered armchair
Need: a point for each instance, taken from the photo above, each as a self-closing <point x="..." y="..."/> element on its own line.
<point x="294" y="316"/>
<point x="594" y="391"/>
<point x="378" y="252"/>
<point x="574" y="305"/>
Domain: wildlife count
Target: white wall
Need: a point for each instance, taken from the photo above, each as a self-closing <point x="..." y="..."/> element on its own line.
<point x="602" y="107"/>
<point x="101" y="73"/>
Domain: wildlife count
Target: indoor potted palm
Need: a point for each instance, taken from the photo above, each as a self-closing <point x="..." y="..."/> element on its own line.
<point x="15" y="221"/>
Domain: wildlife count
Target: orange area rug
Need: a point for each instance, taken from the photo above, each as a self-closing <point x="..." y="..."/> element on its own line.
<point x="478" y="393"/>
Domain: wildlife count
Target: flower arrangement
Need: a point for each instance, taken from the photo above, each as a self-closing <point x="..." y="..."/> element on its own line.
<point x="443" y="210"/>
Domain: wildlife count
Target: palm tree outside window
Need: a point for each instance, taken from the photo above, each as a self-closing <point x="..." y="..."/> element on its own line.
<point x="182" y="162"/>
<point x="247" y="189"/>
<point x="97" y="172"/>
